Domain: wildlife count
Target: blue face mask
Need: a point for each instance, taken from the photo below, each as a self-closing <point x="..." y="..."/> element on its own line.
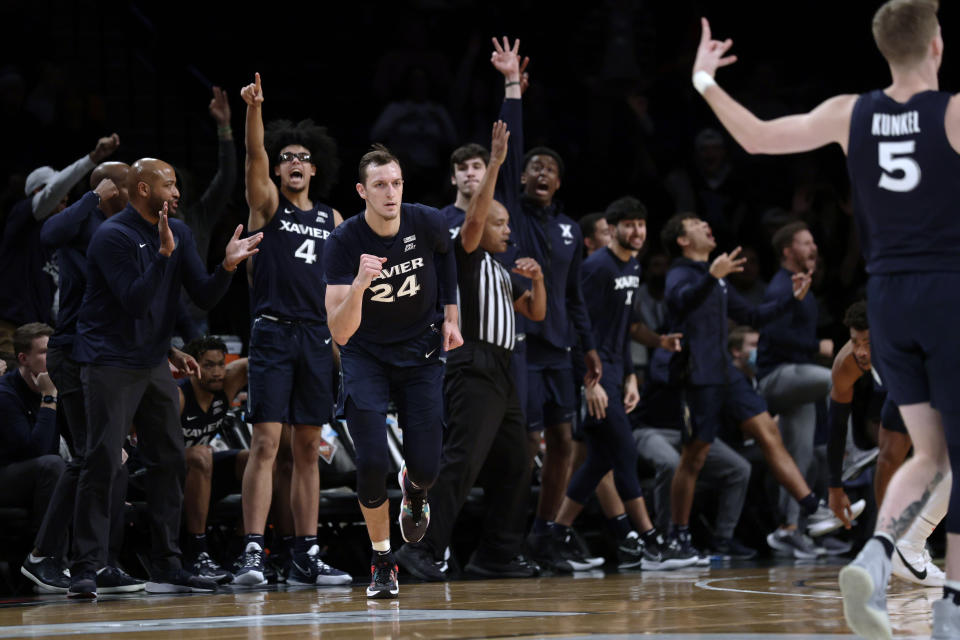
<point x="752" y="358"/>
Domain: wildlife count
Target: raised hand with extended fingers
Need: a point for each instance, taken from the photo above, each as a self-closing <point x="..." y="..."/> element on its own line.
<point x="498" y="142"/>
<point x="711" y="54"/>
<point x="239" y="249"/>
<point x="252" y="94"/>
<point x="801" y="283"/>
<point x="167" y="243"/>
<point x="220" y="108"/>
<point x="727" y="263"/>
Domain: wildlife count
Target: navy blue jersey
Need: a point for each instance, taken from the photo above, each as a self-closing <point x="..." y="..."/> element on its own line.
<point x="288" y="271"/>
<point x="609" y="288"/>
<point x="418" y="277"/>
<point x="904" y="172"/>
<point x="454" y="216"/>
<point x="200" y="426"/>
<point x="27" y="268"/>
<point x="132" y="297"/>
<point x="69" y="232"/>
<point x="791" y="338"/>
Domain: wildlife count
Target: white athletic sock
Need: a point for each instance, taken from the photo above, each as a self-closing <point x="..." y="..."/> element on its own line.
<point x="383" y="546"/>
<point x="933" y="512"/>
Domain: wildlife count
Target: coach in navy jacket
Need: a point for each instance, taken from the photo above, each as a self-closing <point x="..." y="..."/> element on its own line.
<point x="137" y="262"/>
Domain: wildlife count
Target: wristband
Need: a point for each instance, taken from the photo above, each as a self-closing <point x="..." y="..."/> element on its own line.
<point x="510" y="83"/>
<point x="703" y="80"/>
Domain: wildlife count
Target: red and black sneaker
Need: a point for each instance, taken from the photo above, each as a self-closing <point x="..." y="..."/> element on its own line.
<point x="383" y="576"/>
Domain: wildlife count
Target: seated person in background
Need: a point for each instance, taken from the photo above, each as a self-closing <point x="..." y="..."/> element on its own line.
<point x="659" y="420"/>
<point x="211" y="475"/>
<point x="29" y="441"/>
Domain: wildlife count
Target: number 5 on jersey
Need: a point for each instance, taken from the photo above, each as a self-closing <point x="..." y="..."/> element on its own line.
<point x="383" y="292"/>
<point x="894" y="158"/>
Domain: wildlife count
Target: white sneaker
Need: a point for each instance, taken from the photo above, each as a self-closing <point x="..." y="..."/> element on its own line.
<point x="823" y="521"/>
<point x="914" y="564"/>
<point x="794" y="543"/>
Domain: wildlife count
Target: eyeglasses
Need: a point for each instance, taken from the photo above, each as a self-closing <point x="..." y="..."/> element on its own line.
<point x="288" y="156"/>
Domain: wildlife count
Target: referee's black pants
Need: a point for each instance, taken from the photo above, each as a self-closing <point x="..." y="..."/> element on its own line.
<point x="116" y="400"/>
<point x="485" y="438"/>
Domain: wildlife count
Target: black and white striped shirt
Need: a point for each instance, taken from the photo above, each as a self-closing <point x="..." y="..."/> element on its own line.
<point x="487" y="293"/>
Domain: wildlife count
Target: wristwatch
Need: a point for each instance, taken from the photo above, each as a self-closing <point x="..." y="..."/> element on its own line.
<point x="48" y="399"/>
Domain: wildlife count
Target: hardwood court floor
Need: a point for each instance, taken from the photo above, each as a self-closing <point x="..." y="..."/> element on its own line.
<point x="787" y="601"/>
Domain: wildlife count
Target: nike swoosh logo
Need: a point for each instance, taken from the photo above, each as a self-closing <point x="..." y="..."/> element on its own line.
<point x="568" y="242"/>
<point x="287" y="210"/>
<point x="327" y="341"/>
<point x="429" y="353"/>
<point x="143" y="244"/>
<point x="189" y="418"/>
<point x="919" y="575"/>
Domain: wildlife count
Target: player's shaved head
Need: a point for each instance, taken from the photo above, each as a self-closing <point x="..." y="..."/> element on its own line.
<point x="151" y="182"/>
<point x="116" y="171"/>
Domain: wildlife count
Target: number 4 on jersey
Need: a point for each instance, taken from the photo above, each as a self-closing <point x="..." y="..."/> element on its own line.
<point x="307" y="251"/>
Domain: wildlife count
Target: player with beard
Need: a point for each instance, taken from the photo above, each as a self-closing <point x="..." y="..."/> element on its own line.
<point x="611" y="277"/>
<point x="789" y="379"/>
<point x="137" y="262"/>
<point x="291" y="358"/>
<point x="205" y="399"/>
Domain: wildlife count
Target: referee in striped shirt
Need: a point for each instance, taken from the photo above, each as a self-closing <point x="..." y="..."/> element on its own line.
<point x="486" y="431"/>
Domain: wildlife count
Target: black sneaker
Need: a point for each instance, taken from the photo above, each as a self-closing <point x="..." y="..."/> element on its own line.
<point x="538" y="546"/>
<point x="677" y="556"/>
<point x="414" y="511"/>
<point x="684" y="544"/>
<point x="276" y="566"/>
<point x="251" y="568"/>
<point x="565" y="552"/>
<point x="83" y="586"/>
<point x="519" y="566"/>
<point x="179" y="581"/>
<point x="206" y="567"/>
<point x="308" y="568"/>
<point x="593" y="561"/>
<point x="116" y="580"/>
<point x="383" y="576"/>
<point x="631" y="554"/>
<point x="419" y="562"/>
<point x="733" y="549"/>
<point x="47" y="573"/>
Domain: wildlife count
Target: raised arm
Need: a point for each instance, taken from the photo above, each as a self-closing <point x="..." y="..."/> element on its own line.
<point x="479" y="207"/>
<point x="206" y="289"/>
<point x="60" y="229"/>
<point x="220" y="188"/>
<point x="533" y="303"/>
<point x="262" y="195"/>
<point x="45" y="201"/>
<point x="506" y="60"/>
<point x="844" y="374"/>
<point x="827" y="123"/>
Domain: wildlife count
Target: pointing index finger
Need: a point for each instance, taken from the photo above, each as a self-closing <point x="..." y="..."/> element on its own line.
<point x="256" y="81"/>
<point x="706" y="36"/>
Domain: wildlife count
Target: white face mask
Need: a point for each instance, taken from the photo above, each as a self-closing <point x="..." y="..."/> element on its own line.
<point x="752" y="358"/>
